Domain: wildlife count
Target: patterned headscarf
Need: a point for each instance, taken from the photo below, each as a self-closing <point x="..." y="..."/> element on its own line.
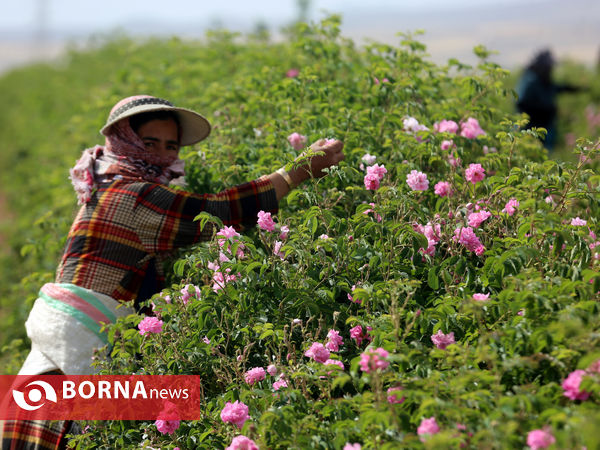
<point x="122" y="157"/>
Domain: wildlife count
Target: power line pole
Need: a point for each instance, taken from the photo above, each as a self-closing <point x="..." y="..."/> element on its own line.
<point x="41" y="25"/>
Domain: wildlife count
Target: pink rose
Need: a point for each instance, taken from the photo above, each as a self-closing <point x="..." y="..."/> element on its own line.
<point x="235" y="413"/>
<point x="297" y="141"/>
<point x="481" y="297"/>
<point x="254" y="375"/>
<point x="571" y="386"/>
<point x="427" y="428"/>
<point x="471" y="129"/>
<point x="577" y="222"/>
<point x="242" y="443"/>
<point x="454" y="161"/>
<point x="372" y="360"/>
<point x="371" y="182"/>
<point x="378" y="170"/>
<point x="351" y="298"/>
<point x="186" y="295"/>
<point x="272" y="370"/>
<point x="447" y="144"/>
<point x="539" y="439"/>
<point x="474" y="173"/>
<point x="356" y="333"/>
<point x="443" y="189"/>
<point x="292" y="73"/>
<point x="466" y="236"/>
<point x="368" y="159"/>
<point x="475" y="219"/>
<point x="446" y="126"/>
<point x="511" y="206"/>
<point x="393" y="396"/>
<point x="283" y="232"/>
<point x="433" y="235"/>
<point x="150" y="325"/>
<point x="265" y="221"/>
<point x="350" y="446"/>
<point x="281" y="383"/>
<point x="167" y="426"/>
<point x="334" y="362"/>
<point x="277" y="249"/>
<point x="417" y="181"/>
<point x="334" y="342"/>
<point x="442" y="340"/>
<point x="318" y="352"/>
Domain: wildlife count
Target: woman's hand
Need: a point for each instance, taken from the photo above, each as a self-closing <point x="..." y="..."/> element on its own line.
<point x="332" y="155"/>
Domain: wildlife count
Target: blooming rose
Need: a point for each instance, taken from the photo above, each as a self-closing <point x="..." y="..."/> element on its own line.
<point x="318" y="352"/>
<point x="571" y="386"/>
<point x="466" y="236"/>
<point x="474" y="173"/>
<point x="432" y="233"/>
<point x="475" y="219"/>
<point x="369" y="159"/>
<point x="272" y="370"/>
<point x="334" y="342"/>
<point x="447" y="144"/>
<point x="446" y="126"/>
<point x="242" y="443"/>
<point x="186" y="295"/>
<point x="350" y="446"/>
<point x="538" y="439"/>
<point x="511" y="206"/>
<point x="351" y="298"/>
<point x="378" y="218"/>
<point x="454" y="160"/>
<point x="277" y="249"/>
<point x="471" y="129"/>
<point x="226" y="233"/>
<point x="443" y="189"/>
<point x="372" y="360"/>
<point x="334" y="362"/>
<point x="371" y="182"/>
<point x="292" y="73"/>
<point x="281" y="383"/>
<point x="356" y="333"/>
<point x="235" y="413"/>
<point x="578" y="222"/>
<point x="417" y="180"/>
<point x="150" y="325"/>
<point x="442" y="340"/>
<point x="254" y="375"/>
<point x="167" y="426"/>
<point x="378" y="170"/>
<point x="265" y="221"/>
<point x="393" y="397"/>
<point x="283" y="232"/>
<point x="428" y="427"/>
<point x="481" y="297"/>
<point x="297" y="141"/>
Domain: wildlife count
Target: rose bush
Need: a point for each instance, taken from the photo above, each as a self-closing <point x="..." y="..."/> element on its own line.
<point x="349" y="307"/>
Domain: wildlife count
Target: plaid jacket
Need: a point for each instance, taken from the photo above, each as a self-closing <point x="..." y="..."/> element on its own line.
<point x="117" y="237"/>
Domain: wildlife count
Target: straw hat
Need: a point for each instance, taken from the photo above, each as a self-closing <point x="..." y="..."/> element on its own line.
<point x="194" y="127"/>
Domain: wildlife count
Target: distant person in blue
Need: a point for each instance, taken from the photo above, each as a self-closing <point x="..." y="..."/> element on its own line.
<point x="537" y="95"/>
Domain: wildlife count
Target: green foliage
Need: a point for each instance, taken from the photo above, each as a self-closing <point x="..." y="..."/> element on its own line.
<point x="501" y="379"/>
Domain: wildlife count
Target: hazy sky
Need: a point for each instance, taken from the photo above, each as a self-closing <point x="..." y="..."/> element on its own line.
<point x="96" y="15"/>
<point x="515" y="28"/>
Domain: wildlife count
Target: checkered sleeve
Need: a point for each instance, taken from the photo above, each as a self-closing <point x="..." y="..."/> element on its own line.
<point x="164" y="217"/>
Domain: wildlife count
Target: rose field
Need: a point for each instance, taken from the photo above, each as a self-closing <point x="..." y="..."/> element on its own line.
<point x="438" y="289"/>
